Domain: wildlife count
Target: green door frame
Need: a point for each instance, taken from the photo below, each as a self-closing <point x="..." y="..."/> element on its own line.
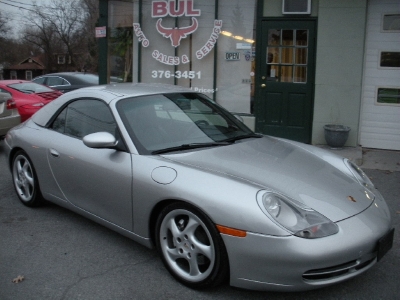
<point x="103" y="43"/>
<point x="260" y="17"/>
<point x="277" y="104"/>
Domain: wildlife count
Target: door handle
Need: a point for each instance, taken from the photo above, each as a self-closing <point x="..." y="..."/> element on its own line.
<point x="263" y="85"/>
<point x="54" y="153"/>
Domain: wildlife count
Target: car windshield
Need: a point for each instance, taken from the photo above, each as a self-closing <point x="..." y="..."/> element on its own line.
<point x="179" y="121"/>
<point x="30" y="88"/>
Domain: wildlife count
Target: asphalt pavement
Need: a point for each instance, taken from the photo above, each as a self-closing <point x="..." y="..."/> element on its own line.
<point x="61" y="255"/>
<point x="367" y="158"/>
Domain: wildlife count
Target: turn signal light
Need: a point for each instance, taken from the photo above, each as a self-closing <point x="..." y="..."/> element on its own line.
<point x="231" y="231"/>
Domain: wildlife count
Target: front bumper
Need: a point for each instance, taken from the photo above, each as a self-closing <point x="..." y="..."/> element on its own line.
<point x="261" y="262"/>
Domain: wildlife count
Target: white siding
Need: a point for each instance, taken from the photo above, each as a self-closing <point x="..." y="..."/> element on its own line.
<point x="380" y="124"/>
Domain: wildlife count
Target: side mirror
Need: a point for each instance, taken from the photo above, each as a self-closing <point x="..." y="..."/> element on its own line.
<point x="100" y="140"/>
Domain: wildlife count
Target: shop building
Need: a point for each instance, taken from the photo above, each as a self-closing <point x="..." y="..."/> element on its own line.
<point x="288" y="67"/>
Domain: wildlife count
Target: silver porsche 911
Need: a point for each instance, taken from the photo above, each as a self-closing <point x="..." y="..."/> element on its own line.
<point x="171" y="169"/>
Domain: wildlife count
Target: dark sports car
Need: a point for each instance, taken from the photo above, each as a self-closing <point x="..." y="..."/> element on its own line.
<point x="67" y="81"/>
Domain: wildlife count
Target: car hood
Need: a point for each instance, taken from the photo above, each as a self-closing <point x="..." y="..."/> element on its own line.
<point x="284" y="167"/>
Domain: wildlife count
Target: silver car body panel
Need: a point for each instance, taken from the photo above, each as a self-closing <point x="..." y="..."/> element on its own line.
<point x="8" y="117"/>
<point x="107" y="93"/>
<point x="280" y="167"/>
<point x="283" y="270"/>
<point x="121" y="190"/>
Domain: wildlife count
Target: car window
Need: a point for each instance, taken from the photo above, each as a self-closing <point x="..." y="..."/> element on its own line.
<point x="88" y="78"/>
<point x="83" y="117"/>
<point x="198" y="110"/>
<point x="39" y="80"/>
<point x="30" y="87"/>
<point x="168" y="120"/>
<point x="56" y="81"/>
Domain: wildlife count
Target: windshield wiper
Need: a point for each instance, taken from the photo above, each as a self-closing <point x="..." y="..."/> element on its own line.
<point x="191" y="146"/>
<point x="241" y="137"/>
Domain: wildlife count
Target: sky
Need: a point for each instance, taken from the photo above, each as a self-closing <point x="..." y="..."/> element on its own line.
<point x="16" y="10"/>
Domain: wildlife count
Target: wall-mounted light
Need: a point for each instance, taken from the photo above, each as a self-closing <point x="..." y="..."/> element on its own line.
<point x="237" y="37"/>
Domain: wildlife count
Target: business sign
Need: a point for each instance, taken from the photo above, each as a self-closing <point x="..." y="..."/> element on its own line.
<point x="243" y="46"/>
<point x="177" y="8"/>
<point x="101" y="32"/>
<point x="232" y="55"/>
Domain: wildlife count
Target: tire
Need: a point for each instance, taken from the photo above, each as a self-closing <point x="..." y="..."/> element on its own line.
<point x="191" y="247"/>
<point x="25" y="180"/>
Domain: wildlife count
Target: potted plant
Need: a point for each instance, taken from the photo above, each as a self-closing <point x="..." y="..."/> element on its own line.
<point x="336" y="134"/>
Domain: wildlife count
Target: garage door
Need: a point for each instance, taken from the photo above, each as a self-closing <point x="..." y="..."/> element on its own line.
<point x="380" y="115"/>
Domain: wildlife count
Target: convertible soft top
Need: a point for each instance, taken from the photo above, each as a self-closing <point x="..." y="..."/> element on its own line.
<point x="108" y="93"/>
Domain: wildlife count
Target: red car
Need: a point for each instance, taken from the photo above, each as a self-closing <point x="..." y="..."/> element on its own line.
<point x="28" y="96"/>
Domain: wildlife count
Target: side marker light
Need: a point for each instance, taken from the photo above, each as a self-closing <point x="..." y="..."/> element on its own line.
<point x="231" y="231"/>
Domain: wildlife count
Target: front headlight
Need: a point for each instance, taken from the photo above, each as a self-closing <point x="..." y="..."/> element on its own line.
<point x="296" y="217"/>
<point x="359" y="174"/>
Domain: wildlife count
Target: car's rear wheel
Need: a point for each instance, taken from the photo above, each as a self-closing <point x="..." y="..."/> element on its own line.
<point x="25" y="180"/>
<point x="191" y="247"/>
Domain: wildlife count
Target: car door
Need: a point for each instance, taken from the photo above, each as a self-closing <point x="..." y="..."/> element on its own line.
<point x="98" y="181"/>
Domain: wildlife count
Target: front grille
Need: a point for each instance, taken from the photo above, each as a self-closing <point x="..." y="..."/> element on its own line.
<point x="336" y="271"/>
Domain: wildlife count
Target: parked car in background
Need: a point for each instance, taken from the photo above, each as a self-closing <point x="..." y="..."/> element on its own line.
<point x="28" y="96"/>
<point x="171" y="169"/>
<point x="67" y="81"/>
<point x="9" y="116"/>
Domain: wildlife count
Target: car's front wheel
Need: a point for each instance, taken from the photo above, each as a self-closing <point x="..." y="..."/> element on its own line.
<point x="191" y="246"/>
<point x="25" y="180"/>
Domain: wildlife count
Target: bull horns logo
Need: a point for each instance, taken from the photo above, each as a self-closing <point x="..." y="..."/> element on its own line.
<point x="176" y="34"/>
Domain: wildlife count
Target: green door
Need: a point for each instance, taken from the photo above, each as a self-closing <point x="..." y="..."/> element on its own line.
<point x="284" y="102"/>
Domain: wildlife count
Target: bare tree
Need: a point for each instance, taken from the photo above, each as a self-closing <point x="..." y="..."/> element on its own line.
<point x="4" y="41"/>
<point x="14" y="51"/>
<point x="65" y="18"/>
<point x="42" y="35"/>
<point x="4" y="27"/>
<point x="64" y="27"/>
<point x="89" y="60"/>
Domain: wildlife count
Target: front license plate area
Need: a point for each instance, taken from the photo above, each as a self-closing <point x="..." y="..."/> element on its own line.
<point x="385" y="244"/>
